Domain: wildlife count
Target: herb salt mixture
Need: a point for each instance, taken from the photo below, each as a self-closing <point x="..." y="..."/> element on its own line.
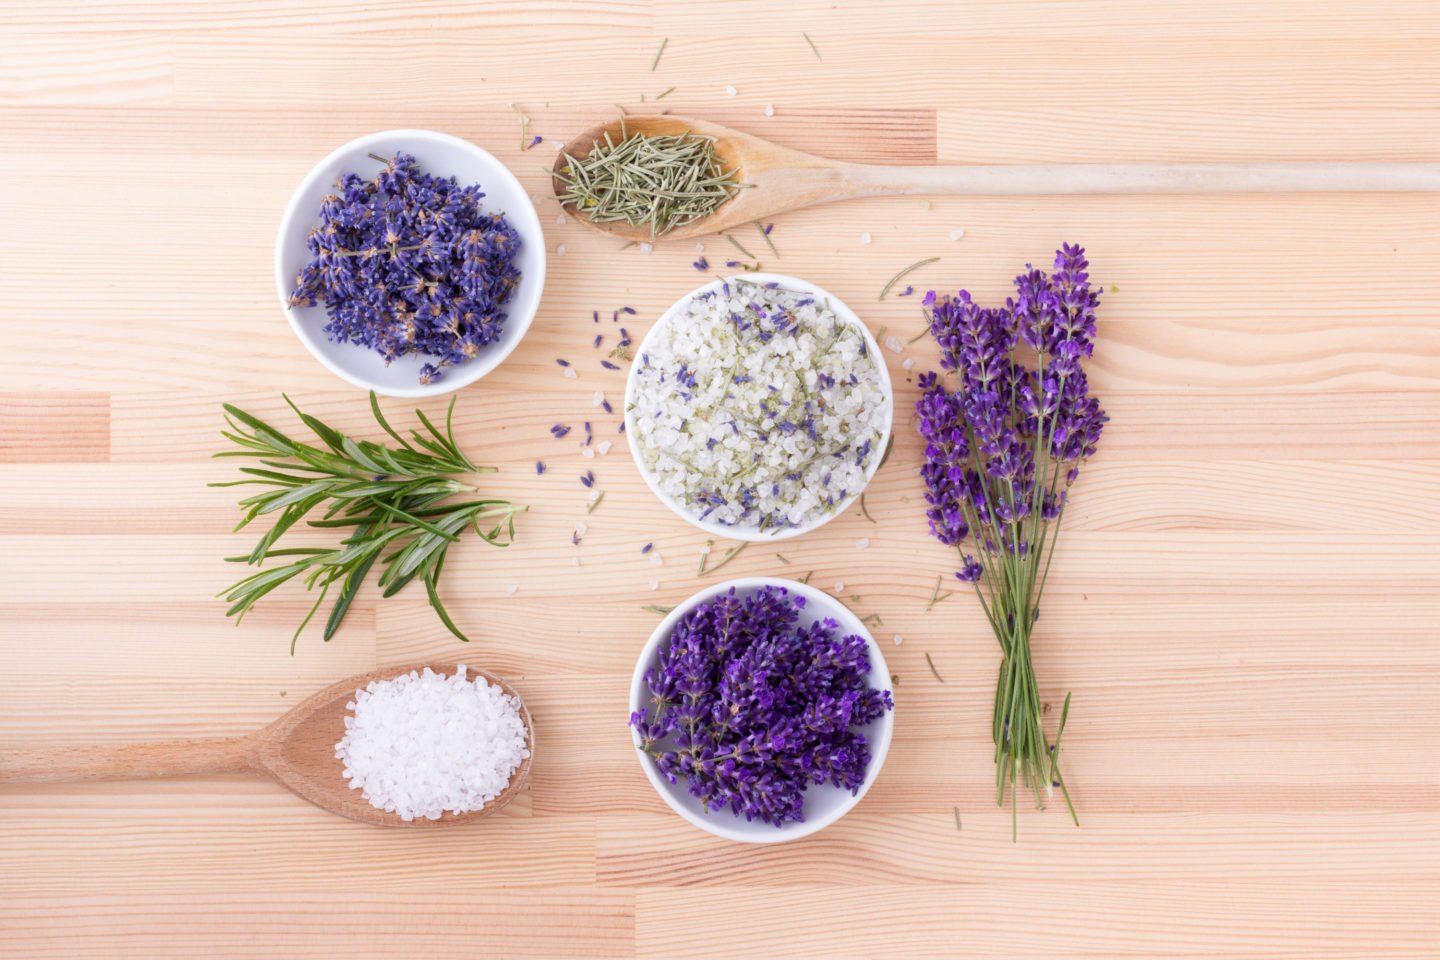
<point x="756" y="406"/>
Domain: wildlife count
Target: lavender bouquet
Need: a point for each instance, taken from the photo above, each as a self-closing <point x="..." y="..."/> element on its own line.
<point x="1004" y="444"/>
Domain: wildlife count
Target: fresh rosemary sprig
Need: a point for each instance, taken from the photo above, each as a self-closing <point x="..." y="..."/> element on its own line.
<point x="394" y="499"/>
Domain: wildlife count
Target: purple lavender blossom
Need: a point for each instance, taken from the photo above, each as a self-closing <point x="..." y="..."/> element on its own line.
<point x="409" y="263"/>
<point x="752" y="709"/>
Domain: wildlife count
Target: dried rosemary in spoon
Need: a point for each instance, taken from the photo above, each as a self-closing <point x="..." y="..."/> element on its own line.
<point x="662" y="181"/>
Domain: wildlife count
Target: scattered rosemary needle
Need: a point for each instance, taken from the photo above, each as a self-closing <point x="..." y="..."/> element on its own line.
<point x="765" y="235"/>
<point x="524" y="121"/>
<point x="957" y="820"/>
<point x="808" y="574"/>
<point x="739" y="246"/>
<point x="935" y="595"/>
<point x="666" y="94"/>
<point x="782" y="559"/>
<point x="658" y="54"/>
<point x="896" y="279"/>
<point x="813" y="49"/>
<point x="656" y="608"/>
<point x="865" y="512"/>
<point x="875" y="617"/>
<point x="932" y="667"/>
<point x="730" y="554"/>
<point x="590" y="507"/>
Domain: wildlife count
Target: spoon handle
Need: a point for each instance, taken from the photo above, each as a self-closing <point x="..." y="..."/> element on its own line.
<point x="133" y="761"/>
<point x="1102" y="178"/>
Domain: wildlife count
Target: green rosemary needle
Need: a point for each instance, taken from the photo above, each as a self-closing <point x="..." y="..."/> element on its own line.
<point x="395" y="502"/>
<point x="662" y="181"/>
<point x="896" y="279"/>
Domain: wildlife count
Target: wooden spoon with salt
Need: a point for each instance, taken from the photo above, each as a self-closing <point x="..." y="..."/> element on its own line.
<point x="297" y="750"/>
<point x="782" y="179"/>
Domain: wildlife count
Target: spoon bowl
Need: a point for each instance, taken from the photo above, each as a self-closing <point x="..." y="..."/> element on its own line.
<point x="777" y="179"/>
<point x="297" y="751"/>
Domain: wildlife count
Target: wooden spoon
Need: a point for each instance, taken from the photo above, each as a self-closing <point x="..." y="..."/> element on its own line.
<point x="785" y="179"/>
<point x="298" y="750"/>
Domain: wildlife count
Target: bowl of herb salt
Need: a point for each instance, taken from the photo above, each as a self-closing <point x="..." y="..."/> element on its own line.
<point x="758" y="407"/>
<point x="410" y="262"/>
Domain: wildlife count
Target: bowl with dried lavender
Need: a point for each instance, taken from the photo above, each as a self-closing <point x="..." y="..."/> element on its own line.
<point x="760" y="710"/>
<point x="410" y="262"/>
<point x="758" y="407"/>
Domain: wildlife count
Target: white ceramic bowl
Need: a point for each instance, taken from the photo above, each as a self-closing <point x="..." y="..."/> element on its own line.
<point x="442" y="155"/>
<point x="823" y="804"/>
<point x="632" y="432"/>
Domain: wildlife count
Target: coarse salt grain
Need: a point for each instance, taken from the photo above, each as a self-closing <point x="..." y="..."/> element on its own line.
<point x="569" y="373"/>
<point x="699" y="247"/>
<point x="769" y="109"/>
<point x="560" y="219"/>
<point x="839" y="586"/>
<point x="654" y="584"/>
<point x="423" y="744"/>
<point x="730" y="91"/>
<point x="647" y="248"/>
<point x="598" y="399"/>
<point x="894" y="344"/>
<point x="908" y="363"/>
<point x="865" y="237"/>
<point x="603" y="447"/>
<point x="510" y="589"/>
<point x="863" y="543"/>
<point x="588" y="453"/>
<point x="899" y="639"/>
<point x="560" y="250"/>
<point x="956" y="234"/>
<point x="758" y="407"/>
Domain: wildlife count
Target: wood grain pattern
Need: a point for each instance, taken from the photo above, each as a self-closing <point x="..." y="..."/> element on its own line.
<point x="1244" y="607"/>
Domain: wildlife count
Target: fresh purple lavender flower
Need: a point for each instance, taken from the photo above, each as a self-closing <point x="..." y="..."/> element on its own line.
<point x="539" y="467"/>
<point x="702" y="264"/>
<point x="409" y="263"/>
<point x="1003" y="444"/>
<point x="752" y="709"/>
<point x="559" y="430"/>
<point x="608" y="365"/>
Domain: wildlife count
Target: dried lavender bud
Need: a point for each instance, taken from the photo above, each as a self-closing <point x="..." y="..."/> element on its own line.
<point x="409" y="263"/>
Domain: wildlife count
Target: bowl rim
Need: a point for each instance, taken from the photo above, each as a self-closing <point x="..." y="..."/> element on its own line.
<point x="525" y="219"/>
<point x="720" y="823"/>
<point x="632" y="434"/>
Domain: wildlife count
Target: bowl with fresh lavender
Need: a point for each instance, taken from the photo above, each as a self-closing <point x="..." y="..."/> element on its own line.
<point x="410" y="262"/>
<point x="760" y="710"/>
<point x="758" y="407"/>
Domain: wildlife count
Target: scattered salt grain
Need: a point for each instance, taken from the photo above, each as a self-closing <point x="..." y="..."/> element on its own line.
<point x="510" y="589"/>
<point x="699" y="247"/>
<point x="598" y="399"/>
<point x="646" y="248"/>
<point x="730" y="91"/>
<point x="956" y="234"/>
<point x="560" y="250"/>
<point x="588" y="453"/>
<point x="560" y="219"/>
<point x="769" y="109"/>
<point x="657" y="560"/>
<point x="603" y="447"/>
<point x="839" y="586"/>
<point x="570" y="373"/>
<point x="863" y="543"/>
<point x="581" y="528"/>
<point x="424" y="744"/>
<point x="865" y="237"/>
<point x="895" y="344"/>
<point x="654" y="584"/>
<point x="899" y="639"/>
<point x="908" y="363"/>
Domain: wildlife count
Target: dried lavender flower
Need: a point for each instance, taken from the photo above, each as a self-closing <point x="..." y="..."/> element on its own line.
<point x="410" y="263"/>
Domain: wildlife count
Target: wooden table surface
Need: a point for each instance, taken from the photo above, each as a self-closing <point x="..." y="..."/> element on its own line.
<point x="1245" y="602"/>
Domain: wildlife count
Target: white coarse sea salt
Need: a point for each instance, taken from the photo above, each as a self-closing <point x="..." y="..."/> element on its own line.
<point x="863" y="543"/>
<point x="603" y="447"/>
<point x="570" y="373"/>
<point x="423" y="744"/>
<point x="699" y="247"/>
<point x="647" y="248"/>
<point x="908" y="363"/>
<point x="588" y="453"/>
<point x="894" y="344"/>
<point x="560" y="219"/>
<point x="598" y="399"/>
<point x="899" y="639"/>
<point x="769" y="109"/>
<point x="510" y="589"/>
<point x="756" y="406"/>
<point x="560" y="250"/>
<point x="654" y="584"/>
<point x="730" y="91"/>
<point x="956" y="234"/>
<point x="839" y="586"/>
<point x="865" y="237"/>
